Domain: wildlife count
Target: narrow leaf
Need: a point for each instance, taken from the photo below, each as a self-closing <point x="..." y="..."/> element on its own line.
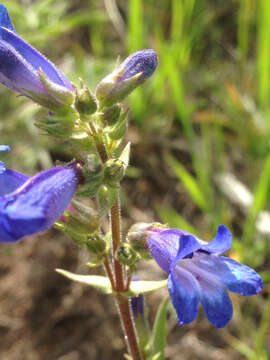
<point x="141" y="287"/>
<point x="189" y="182"/>
<point x="159" y="331"/>
<point x="99" y="282"/>
<point x="124" y="157"/>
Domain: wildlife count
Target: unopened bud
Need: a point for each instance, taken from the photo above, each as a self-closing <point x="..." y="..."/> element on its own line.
<point x="118" y="130"/>
<point x="85" y="102"/>
<point x="130" y="74"/>
<point x="110" y="115"/>
<point x="83" y="220"/>
<point x="126" y="255"/>
<point x="96" y="244"/>
<point x="113" y="172"/>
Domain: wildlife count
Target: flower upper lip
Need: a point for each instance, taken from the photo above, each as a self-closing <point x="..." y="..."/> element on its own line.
<point x="20" y="62"/>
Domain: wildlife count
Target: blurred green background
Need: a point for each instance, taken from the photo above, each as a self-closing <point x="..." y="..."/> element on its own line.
<point x="200" y="130"/>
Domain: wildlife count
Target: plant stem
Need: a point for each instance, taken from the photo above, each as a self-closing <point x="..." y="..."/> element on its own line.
<point x="117" y="278"/>
<point x="108" y="271"/>
<point x="128" y="327"/>
<point x="116" y="238"/>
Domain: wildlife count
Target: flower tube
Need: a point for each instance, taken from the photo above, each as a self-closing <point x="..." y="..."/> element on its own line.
<point x="32" y="204"/>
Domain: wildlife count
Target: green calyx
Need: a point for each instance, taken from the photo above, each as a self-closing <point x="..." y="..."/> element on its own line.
<point x="113" y="172"/>
<point x="96" y="244"/>
<point x="85" y="102"/>
<point x="113" y="89"/>
<point x="58" y="125"/>
<point x="137" y="237"/>
<point x="109" y="115"/>
<point x="62" y="96"/>
<point x="93" y="175"/>
<point x="126" y="255"/>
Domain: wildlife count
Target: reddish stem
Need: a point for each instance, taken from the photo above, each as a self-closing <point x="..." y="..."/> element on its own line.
<point x="117" y="276"/>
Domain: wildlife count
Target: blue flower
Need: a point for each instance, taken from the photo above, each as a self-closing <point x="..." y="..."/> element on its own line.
<point x="138" y="67"/>
<point x="142" y="63"/>
<point x="32" y="204"/>
<point x="197" y="273"/>
<point x="21" y="65"/>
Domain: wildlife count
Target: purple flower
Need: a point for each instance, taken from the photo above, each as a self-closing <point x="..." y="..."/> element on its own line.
<point x="20" y="65"/>
<point x="138" y="67"/>
<point x="143" y="62"/>
<point x="197" y="273"/>
<point x="32" y="204"/>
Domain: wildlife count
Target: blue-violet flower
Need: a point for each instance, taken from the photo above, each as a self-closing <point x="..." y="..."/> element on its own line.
<point x="32" y="204"/>
<point x="27" y="71"/>
<point x="138" y="67"/>
<point x="197" y="273"/>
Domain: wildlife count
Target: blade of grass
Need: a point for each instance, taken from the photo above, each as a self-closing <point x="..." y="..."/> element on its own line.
<point x="190" y="183"/>
<point x="259" y="202"/>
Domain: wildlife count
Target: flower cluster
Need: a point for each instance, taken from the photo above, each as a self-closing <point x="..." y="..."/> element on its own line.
<point x="197" y="273"/>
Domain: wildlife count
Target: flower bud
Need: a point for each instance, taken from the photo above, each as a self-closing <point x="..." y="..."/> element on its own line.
<point x="82" y="220"/>
<point x="110" y="115"/>
<point x="96" y="244"/>
<point x="113" y="172"/>
<point x="85" y="102"/>
<point x="126" y="255"/>
<point x="118" y="130"/>
<point x="124" y="79"/>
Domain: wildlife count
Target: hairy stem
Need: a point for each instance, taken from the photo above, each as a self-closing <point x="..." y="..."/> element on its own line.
<point x="116" y="238"/>
<point x="117" y="276"/>
<point x="128" y="327"/>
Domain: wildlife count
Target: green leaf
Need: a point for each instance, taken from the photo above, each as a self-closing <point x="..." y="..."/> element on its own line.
<point x="158" y="341"/>
<point x="124" y="157"/>
<point x="141" y="286"/>
<point x="99" y="282"/>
